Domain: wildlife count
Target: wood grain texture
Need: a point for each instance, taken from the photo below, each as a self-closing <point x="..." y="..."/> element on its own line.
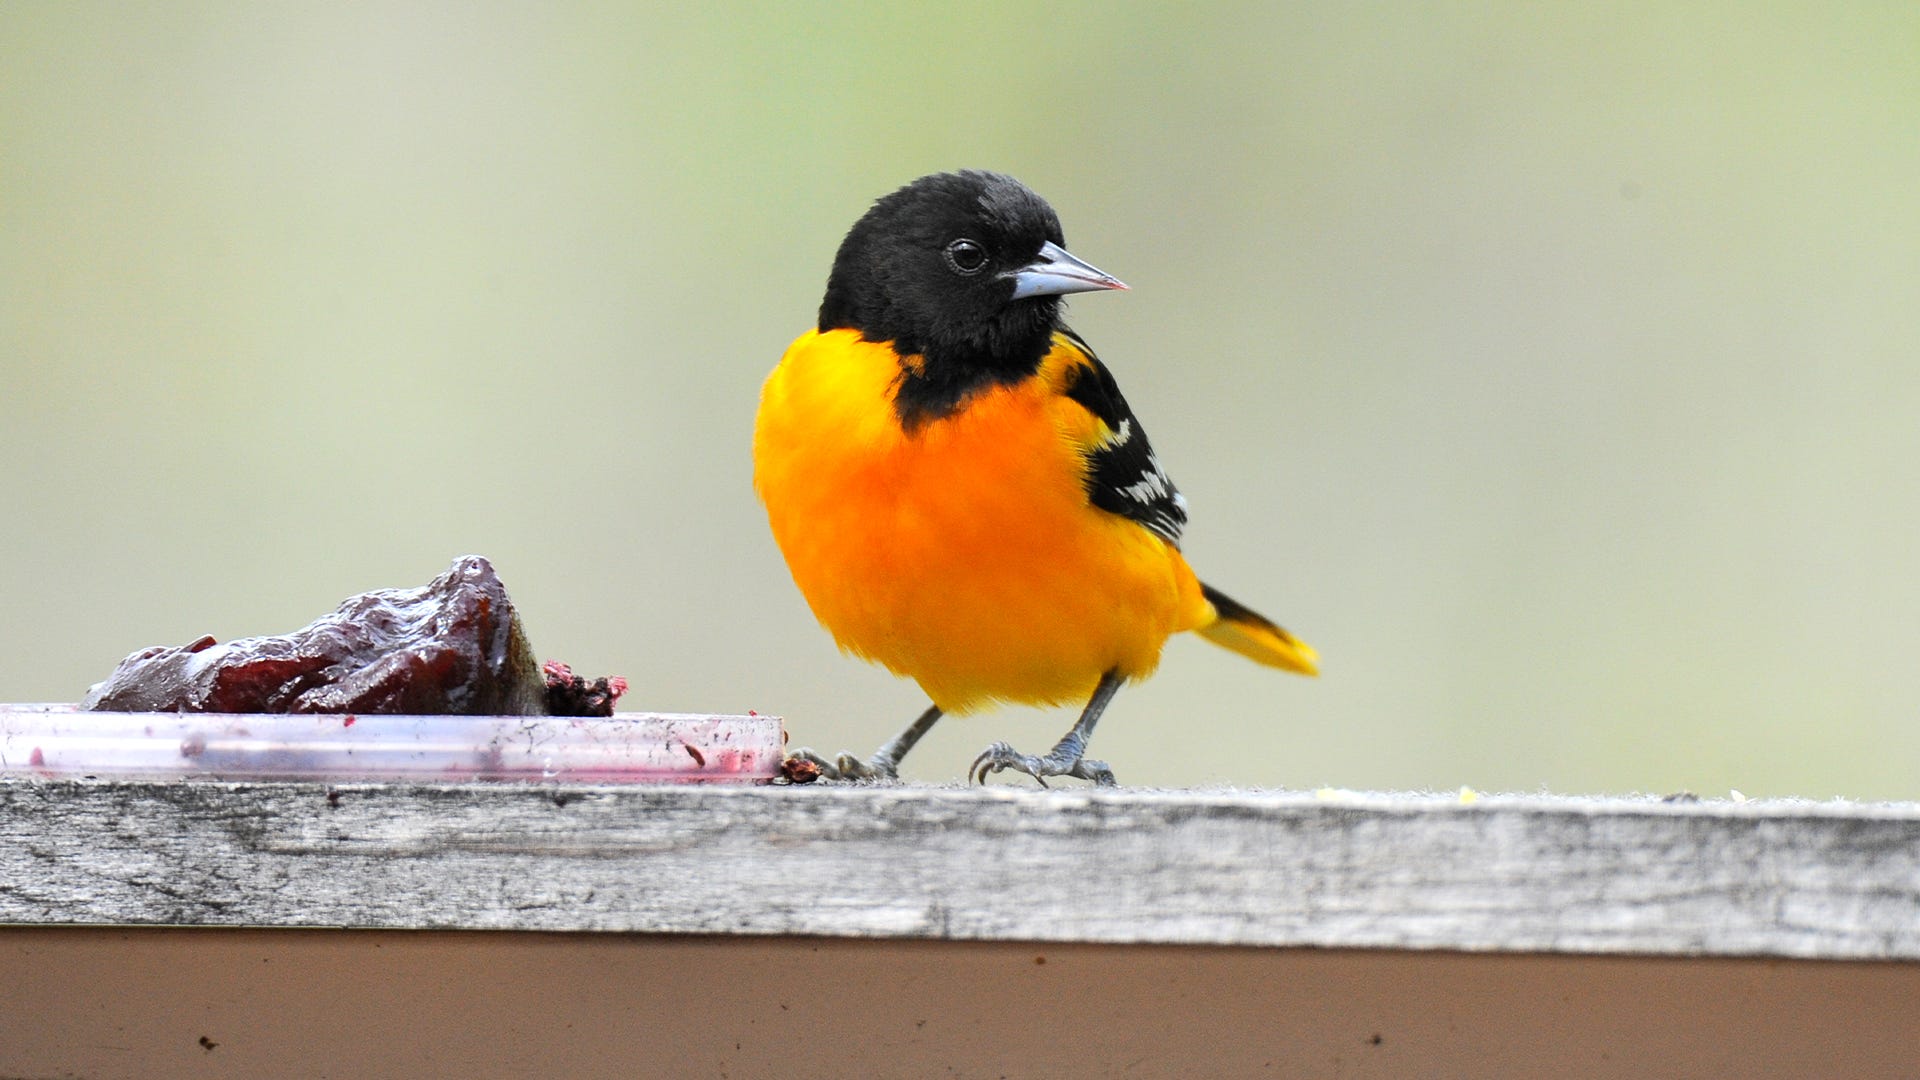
<point x="1246" y="868"/>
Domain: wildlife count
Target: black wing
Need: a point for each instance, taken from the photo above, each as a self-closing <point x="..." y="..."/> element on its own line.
<point x="1124" y="475"/>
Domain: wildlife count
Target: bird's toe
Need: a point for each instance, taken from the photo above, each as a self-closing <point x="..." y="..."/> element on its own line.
<point x="1001" y="756"/>
<point x="853" y="768"/>
<point x="846" y="766"/>
<point x="1096" y="771"/>
<point x="998" y="756"/>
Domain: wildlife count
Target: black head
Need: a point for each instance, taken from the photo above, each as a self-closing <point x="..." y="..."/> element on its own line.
<point x="964" y="270"/>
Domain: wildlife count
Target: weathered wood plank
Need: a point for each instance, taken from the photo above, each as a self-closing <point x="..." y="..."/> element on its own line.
<point x="1252" y="868"/>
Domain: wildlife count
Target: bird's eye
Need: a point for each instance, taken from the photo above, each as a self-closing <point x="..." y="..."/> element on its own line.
<point x="966" y="256"/>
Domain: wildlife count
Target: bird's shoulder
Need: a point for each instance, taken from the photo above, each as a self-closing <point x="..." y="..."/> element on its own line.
<point x="1123" y="474"/>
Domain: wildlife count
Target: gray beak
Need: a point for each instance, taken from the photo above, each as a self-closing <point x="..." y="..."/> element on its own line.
<point x="1055" y="273"/>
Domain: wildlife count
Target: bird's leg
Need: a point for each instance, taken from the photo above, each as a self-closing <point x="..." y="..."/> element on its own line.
<point x="885" y="763"/>
<point x="1065" y="759"/>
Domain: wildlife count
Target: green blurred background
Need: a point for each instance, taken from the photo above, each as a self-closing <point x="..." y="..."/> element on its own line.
<point x="1554" y="369"/>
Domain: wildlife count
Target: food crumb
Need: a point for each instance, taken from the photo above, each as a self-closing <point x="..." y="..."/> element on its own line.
<point x="570" y="695"/>
<point x="799" y="770"/>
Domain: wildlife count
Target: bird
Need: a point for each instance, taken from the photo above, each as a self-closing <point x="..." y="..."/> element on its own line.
<point x="960" y="491"/>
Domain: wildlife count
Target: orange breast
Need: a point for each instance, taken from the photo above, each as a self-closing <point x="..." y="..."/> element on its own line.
<point x="966" y="554"/>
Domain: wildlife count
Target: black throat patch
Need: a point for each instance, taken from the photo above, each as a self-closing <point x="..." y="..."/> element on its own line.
<point x="938" y="383"/>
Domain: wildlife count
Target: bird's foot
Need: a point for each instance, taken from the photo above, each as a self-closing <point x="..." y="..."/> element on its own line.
<point x="847" y="767"/>
<point x="1003" y="756"/>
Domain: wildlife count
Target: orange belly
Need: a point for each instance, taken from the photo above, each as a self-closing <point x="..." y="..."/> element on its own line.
<point x="966" y="554"/>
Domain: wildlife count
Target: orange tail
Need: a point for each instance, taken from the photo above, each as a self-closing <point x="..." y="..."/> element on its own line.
<point x="1254" y="636"/>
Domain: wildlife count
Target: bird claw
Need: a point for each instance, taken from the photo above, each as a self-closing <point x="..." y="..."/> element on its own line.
<point x="848" y="767"/>
<point x="1002" y="755"/>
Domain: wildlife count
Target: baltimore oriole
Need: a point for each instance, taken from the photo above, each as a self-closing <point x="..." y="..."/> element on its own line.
<point x="959" y="489"/>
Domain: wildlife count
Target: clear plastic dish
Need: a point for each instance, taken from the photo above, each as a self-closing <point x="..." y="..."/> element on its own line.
<point x="626" y="748"/>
